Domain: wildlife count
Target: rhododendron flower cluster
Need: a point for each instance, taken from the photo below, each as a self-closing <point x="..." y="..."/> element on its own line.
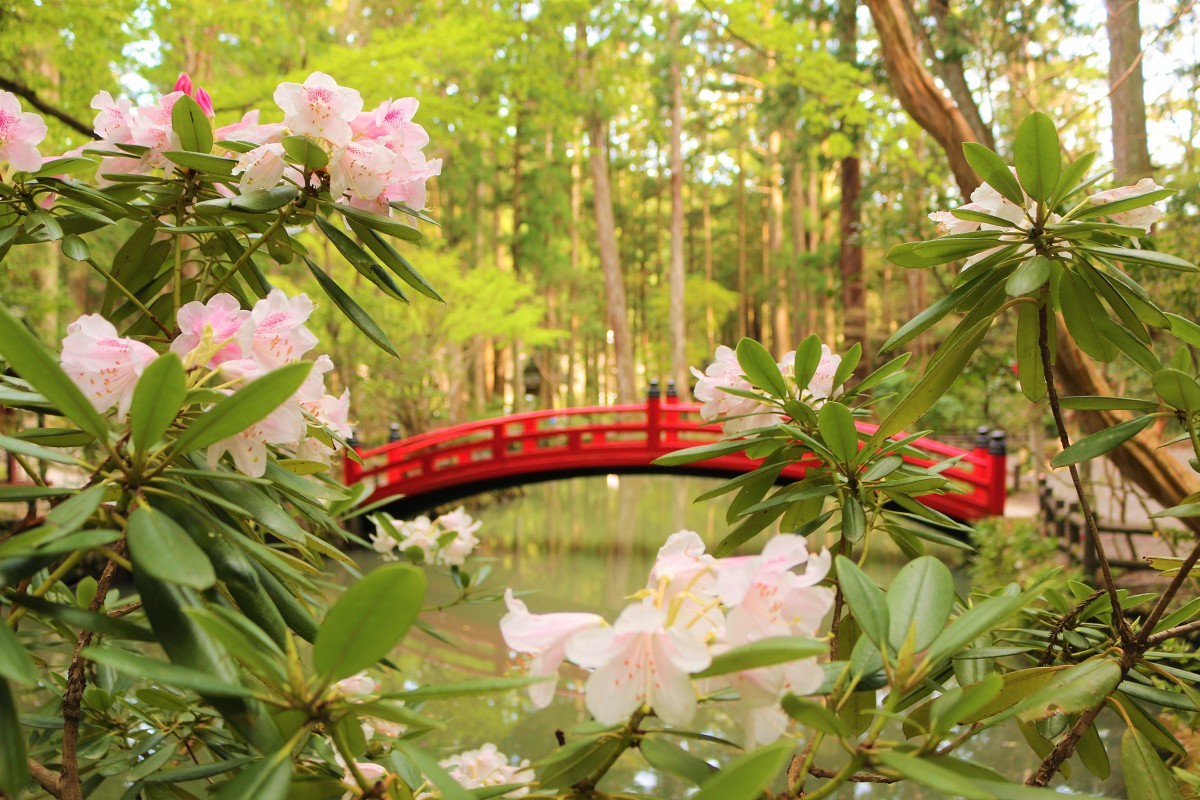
<point x="375" y="157"/>
<point x="447" y="540"/>
<point x="231" y="347"/>
<point x="20" y="134"/>
<point x="694" y="607"/>
<point x="741" y="413"/>
<point x="487" y="766"/>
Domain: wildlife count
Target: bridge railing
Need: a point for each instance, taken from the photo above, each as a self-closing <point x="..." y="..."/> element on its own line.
<point x="621" y="436"/>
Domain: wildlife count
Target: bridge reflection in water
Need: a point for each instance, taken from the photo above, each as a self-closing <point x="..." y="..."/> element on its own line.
<point x="450" y="463"/>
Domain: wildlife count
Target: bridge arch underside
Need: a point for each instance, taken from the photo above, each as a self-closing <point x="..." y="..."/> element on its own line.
<point x="410" y="505"/>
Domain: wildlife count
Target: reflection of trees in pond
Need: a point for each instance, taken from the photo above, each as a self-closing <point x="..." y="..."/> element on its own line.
<point x="586" y="545"/>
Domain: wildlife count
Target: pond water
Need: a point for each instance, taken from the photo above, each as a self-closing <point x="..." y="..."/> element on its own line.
<point x="586" y="544"/>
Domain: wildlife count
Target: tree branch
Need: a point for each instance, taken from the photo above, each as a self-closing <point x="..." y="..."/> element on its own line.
<point x="31" y="97"/>
<point x="47" y="778"/>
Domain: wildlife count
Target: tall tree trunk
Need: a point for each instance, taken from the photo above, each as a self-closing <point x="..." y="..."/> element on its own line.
<point x="518" y="358"/>
<point x="679" y="361"/>
<point x="1131" y="156"/>
<point x="744" y="304"/>
<point x="850" y="252"/>
<point x="781" y="335"/>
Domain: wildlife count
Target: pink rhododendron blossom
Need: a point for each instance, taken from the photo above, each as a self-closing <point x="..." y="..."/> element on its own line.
<point x="115" y="118"/>
<point x="639" y="663"/>
<point x="319" y="107"/>
<point x="285" y="425"/>
<point x="767" y="596"/>
<point x="260" y="168"/>
<point x="20" y="134"/>
<point x="220" y="323"/>
<point x="723" y="373"/>
<point x="487" y="766"/>
<point x="1143" y="217"/>
<point x="279" y="333"/>
<point x="683" y="582"/>
<point x="374" y="726"/>
<point x="820" y="387"/>
<point x="372" y="773"/>
<point x="357" y="687"/>
<point x="544" y="637"/>
<point x="248" y="129"/>
<point x="363" y="168"/>
<point x="103" y="365"/>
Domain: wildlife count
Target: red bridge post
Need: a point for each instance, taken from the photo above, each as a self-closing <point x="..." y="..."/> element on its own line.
<point x="998" y="474"/>
<point x="653" y="416"/>
<point x="351" y="469"/>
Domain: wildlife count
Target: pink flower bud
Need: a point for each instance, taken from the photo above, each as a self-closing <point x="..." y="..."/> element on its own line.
<point x="205" y="102"/>
<point x="184" y="84"/>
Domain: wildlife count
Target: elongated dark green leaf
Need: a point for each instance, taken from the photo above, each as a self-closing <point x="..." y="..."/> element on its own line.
<point x="157" y="399"/>
<point x="1092" y="753"/>
<point x="1028" y="277"/>
<point x="16" y="664"/>
<point x="814" y="715"/>
<point x="378" y="222"/>
<point x="163" y="549"/>
<point x="20" y="494"/>
<point x="305" y="152"/>
<point x="29" y="359"/>
<point x="994" y="171"/>
<point x="269" y="779"/>
<point x="935" y="776"/>
<point x="764" y="653"/>
<point x="394" y="260"/>
<point x="243" y="408"/>
<point x="1117" y="206"/>
<point x="1030" y="370"/>
<point x="87" y="620"/>
<point x="760" y="369"/>
<point x="1151" y="258"/>
<point x="1073" y="690"/>
<point x="953" y="248"/>
<point x="1037" y="156"/>
<point x="1080" y="307"/>
<point x="1101" y="442"/>
<point x="836" y="425"/>
<point x="1084" y="403"/>
<point x="1178" y="389"/>
<point x="883" y="373"/>
<point x="746" y="776"/>
<point x="27" y="448"/>
<point x="163" y="672"/>
<point x="1127" y="343"/>
<point x="446" y="691"/>
<point x="974" y="622"/>
<point x="353" y="311"/>
<point x="933" y="385"/>
<point x="865" y="599"/>
<point x="1069" y="180"/>
<point x="675" y="760"/>
<point x="191" y="125"/>
<point x="198" y="772"/>
<point x="576" y="761"/>
<point x="14" y="770"/>
<point x="63" y="166"/>
<point x="263" y="200"/>
<point x="921" y="596"/>
<point x="703" y="452"/>
<point x="202" y="162"/>
<point x="1146" y="776"/>
<point x="368" y="620"/>
<point x="807" y="359"/>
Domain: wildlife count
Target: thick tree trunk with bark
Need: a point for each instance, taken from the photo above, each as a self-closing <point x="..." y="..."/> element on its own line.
<point x="850" y="253"/>
<point x="1131" y="156"/>
<point x="676" y="277"/>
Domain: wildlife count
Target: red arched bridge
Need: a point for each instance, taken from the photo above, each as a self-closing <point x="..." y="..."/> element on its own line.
<point x="450" y="463"/>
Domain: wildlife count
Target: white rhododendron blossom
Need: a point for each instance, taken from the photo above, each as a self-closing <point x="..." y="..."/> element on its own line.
<point x="227" y="347"/>
<point x="319" y="107"/>
<point x="1143" y="217"/>
<point x="357" y="687"/>
<point x="102" y="364"/>
<point x="820" y="386"/>
<point x="372" y="773"/>
<point x="260" y="168"/>
<point x="487" y="766"/>
<point x="446" y="541"/>
<point x="739" y="413"/>
<point x="694" y="608"/>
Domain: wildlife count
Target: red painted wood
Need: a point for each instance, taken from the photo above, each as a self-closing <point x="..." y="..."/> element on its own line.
<point x="624" y="437"/>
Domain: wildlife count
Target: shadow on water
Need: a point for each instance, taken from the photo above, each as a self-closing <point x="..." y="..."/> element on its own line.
<point x="586" y="544"/>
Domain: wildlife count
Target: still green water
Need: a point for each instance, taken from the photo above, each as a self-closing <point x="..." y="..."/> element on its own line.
<point x="586" y="544"/>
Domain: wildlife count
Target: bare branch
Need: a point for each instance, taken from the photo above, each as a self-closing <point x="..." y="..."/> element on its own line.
<point x="31" y="97"/>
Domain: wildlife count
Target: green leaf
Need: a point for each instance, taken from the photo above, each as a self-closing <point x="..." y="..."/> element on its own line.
<point x="1037" y="156"/>
<point x="202" y="162"/>
<point x="20" y="494"/>
<point x="702" y="452"/>
<point x="157" y="399"/>
<point x="269" y="779"/>
<point x="1030" y="368"/>
<point x="394" y="261"/>
<point x="883" y="373"/>
<point x="974" y="622"/>
<point x="1117" y="206"/>
<point x="1028" y="277"/>
<point x="814" y="715"/>
<point x="378" y="222"/>
<point x="1080" y="307"/>
<point x="368" y="620"/>
<point x="162" y="672"/>
<point x="82" y="618"/>
<point x="447" y="786"/>
<point x="16" y="664"/>
<point x="27" y="448"/>
<point x="353" y="311"/>
<point x="807" y="359"/>
<point x="854" y="520"/>
<point x="74" y="248"/>
<point x="191" y="125"/>
<point x="1146" y="776"/>
<point x="198" y="772"/>
<point x="836" y="425"/>
<point x="746" y="776"/>
<point x="447" y="691"/>
<point x="1073" y="690"/>
<point x="305" y="152"/>
<point x="671" y="758"/>
<point x="1092" y="753"/>
<point x="243" y="408"/>
<point x="763" y="653"/>
<point x="29" y="359"/>
<point x="965" y="701"/>
<point x="760" y="369"/>
<point x="1151" y="258"/>
<point x="1185" y="329"/>
<point x="927" y="773"/>
<point x="994" y="172"/>
<point x="865" y="599"/>
<point x="1101" y="442"/>
<point x="1086" y="403"/>
<point x="933" y="384"/>
<point x="953" y="248"/>
<point x="163" y="549"/>
<point x="576" y="761"/>
<point x="262" y="200"/>
<point x="1178" y="389"/>
<point x="1069" y="179"/>
<point x="1127" y="343"/>
<point x="921" y="596"/>
<point x="63" y="166"/>
<point x="14" y="769"/>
